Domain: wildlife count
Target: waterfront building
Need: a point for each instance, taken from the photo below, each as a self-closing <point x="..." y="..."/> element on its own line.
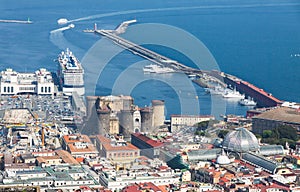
<point x="180" y="121"/>
<point x="40" y="82"/>
<point x="273" y="118"/>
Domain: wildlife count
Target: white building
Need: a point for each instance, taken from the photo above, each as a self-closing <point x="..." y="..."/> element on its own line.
<point x="40" y="82"/>
<point x="180" y="121"/>
<point x="117" y="182"/>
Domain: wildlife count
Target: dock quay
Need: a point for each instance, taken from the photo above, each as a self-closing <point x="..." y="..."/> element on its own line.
<point x="145" y="53"/>
<point x="262" y="98"/>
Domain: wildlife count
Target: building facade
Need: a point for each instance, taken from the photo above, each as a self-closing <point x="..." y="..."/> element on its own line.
<point x="40" y="82"/>
<point x="116" y="150"/>
<point x="180" y="121"/>
<point x="273" y="118"/>
<point x="149" y="147"/>
<point x="112" y="110"/>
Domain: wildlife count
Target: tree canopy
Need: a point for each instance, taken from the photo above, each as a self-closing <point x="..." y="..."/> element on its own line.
<point x="280" y="135"/>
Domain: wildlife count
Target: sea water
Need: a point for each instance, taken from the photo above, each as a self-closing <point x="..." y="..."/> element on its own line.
<point x="256" y="41"/>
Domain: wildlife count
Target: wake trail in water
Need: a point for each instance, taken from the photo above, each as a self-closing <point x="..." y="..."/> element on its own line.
<point x="57" y="37"/>
<point x="180" y="8"/>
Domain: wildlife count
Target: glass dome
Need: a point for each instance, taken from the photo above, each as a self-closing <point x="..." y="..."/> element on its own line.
<point x="240" y="140"/>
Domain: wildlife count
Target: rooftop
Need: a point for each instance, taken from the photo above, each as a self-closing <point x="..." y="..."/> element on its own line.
<point x="107" y="144"/>
<point x="76" y="138"/>
<point x="284" y="114"/>
<point x="66" y="157"/>
<point x="241" y="140"/>
<point x="193" y="116"/>
<point x="89" y="148"/>
<point x="151" y="142"/>
<point x="261" y="91"/>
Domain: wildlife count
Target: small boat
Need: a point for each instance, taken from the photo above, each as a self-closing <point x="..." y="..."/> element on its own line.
<point x="62" y="21"/>
<point x="247" y="102"/>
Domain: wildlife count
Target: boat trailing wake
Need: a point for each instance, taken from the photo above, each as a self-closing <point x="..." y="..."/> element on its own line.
<point x="180" y="8"/>
<point x="58" y="39"/>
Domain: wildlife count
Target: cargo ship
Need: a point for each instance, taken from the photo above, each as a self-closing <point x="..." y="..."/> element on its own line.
<point x="70" y="73"/>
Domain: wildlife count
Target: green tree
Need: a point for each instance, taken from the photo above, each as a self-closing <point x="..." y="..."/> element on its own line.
<point x="267" y="134"/>
<point x="291" y="142"/>
<point x="287" y="131"/>
<point x="222" y="133"/>
<point x="202" y="125"/>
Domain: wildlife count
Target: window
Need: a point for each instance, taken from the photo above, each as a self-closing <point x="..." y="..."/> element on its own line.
<point x="8" y="89"/>
<point x="49" y="89"/>
<point x="42" y="89"/>
<point x="45" y="89"/>
<point x="12" y="89"/>
<point x="4" y="89"/>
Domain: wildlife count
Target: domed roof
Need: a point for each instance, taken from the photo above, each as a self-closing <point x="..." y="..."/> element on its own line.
<point x="240" y="140"/>
<point x="223" y="159"/>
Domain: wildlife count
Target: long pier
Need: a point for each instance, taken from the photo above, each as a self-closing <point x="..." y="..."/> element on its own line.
<point x="263" y="98"/>
<point x="145" y="53"/>
<point x="16" y="21"/>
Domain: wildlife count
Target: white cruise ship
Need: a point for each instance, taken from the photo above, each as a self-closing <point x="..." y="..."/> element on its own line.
<point x="70" y="73"/>
<point x="152" y="68"/>
<point x="233" y="94"/>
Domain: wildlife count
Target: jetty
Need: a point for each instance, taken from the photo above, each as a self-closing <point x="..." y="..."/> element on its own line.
<point x="262" y="98"/>
<point x="16" y="21"/>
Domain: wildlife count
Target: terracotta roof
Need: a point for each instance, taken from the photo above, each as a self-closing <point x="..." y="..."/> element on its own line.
<point x="106" y="143"/>
<point x="45" y="158"/>
<point x="66" y="157"/>
<point x="151" y="142"/>
<point x="261" y="91"/>
<point x="89" y="149"/>
<point x="163" y="188"/>
<point x="79" y="159"/>
<point x="76" y="138"/>
<point x="131" y="188"/>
